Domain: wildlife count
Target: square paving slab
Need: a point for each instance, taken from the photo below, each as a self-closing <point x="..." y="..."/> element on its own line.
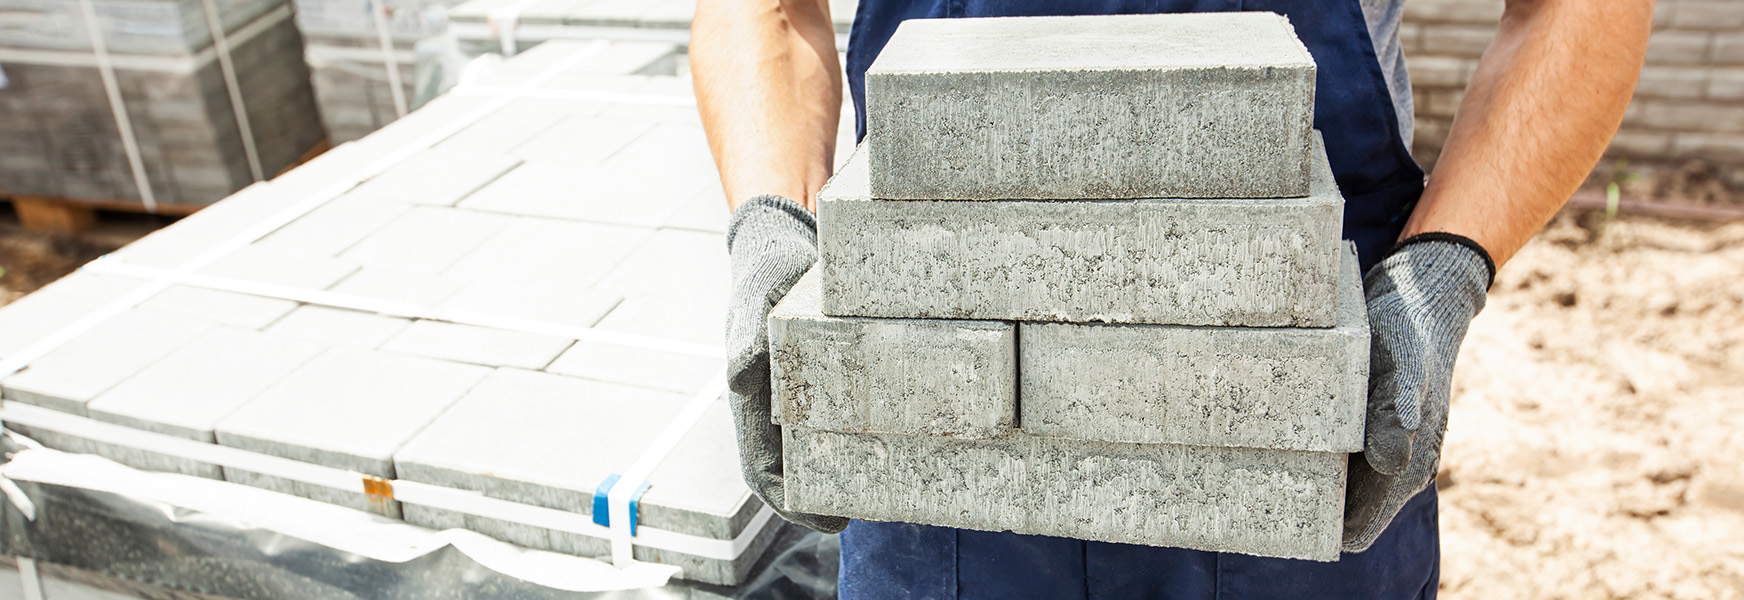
<point x="1210" y="105"/>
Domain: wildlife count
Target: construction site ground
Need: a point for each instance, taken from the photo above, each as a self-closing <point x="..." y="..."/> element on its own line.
<point x="1598" y="410"/>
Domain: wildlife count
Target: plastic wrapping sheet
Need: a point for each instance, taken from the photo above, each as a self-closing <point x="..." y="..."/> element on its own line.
<point x="227" y="540"/>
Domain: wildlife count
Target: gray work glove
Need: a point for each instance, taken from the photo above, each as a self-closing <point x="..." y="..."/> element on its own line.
<point x="1421" y="298"/>
<point x="772" y="242"/>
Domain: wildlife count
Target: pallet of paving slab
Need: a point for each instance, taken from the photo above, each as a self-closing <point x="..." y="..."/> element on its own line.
<point x="69" y="215"/>
<point x="73" y="215"/>
<point x="60" y="137"/>
<point x="466" y="221"/>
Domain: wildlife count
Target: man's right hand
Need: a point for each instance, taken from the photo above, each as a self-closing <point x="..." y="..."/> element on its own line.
<point x="772" y="242"/>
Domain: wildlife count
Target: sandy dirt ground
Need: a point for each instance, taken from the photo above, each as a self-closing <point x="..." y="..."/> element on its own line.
<point x="1596" y="444"/>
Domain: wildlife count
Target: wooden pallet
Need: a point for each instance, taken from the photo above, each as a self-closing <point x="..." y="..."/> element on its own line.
<point x="73" y="215"/>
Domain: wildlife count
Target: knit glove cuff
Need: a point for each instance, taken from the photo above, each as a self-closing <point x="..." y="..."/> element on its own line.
<point x="771" y="241"/>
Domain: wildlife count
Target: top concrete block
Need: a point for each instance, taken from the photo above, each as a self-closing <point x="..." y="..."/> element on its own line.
<point x="1215" y="105"/>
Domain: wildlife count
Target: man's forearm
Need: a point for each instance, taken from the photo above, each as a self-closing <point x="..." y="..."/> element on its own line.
<point x="769" y="89"/>
<point x="1544" y="102"/>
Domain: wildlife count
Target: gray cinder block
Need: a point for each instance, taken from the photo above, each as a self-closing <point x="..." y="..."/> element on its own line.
<point x="1283" y="388"/>
<point x="1153" y="106"/>
<point x="1265" y="263"/>
<point x="1262" y="502"/>
<point x="911" y="376"/>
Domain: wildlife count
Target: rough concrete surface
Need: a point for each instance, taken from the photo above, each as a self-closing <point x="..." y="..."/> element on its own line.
<point x="348" y="409"/>
<point x="501" y="440"/>
<point x="1262" y="502"/>
<point x="938" y="377"/>
<point x="1269" y="263"/>
<point x="71" y="375"/>
<point x="1213" y="105"/>
<point x="187" y="392"/>
<point x="1254" y="387"/>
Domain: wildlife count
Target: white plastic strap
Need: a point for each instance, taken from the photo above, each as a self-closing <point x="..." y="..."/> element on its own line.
<point x="112" y="266"/>
<point x="622" y="492"/>
<point x="12" y="363"/>
<point x="119" y="107"/>
<point x="503" y="22"/>
<point x="384" y="34"/>
<point x="674" y="100"/>
<point x="462" y="501"/>
<point x="31" y="580"/>
<point x="221" y="43"/>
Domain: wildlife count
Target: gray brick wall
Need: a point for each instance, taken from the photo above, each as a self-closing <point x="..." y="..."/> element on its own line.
<point x="1689" y="105"/>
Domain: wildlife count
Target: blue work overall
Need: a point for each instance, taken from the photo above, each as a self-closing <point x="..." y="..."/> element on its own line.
<point x="1381" y="184"/>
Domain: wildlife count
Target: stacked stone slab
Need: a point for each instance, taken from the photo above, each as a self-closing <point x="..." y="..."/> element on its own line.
<point x="58" y="133"/>
<point x="348" y="66"/>
<point x="1091" y="288"/>
<point x="595" y="328"/>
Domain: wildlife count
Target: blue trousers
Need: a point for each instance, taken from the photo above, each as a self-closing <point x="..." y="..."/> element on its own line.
<point x="890" y="561"/>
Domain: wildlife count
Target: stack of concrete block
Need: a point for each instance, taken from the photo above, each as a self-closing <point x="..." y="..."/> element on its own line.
<point x="59" y="135"/>
<point x="514" y="25"/>
<point x="349" y="66"/>
<point x="527" y="210"/>
<point x="1090" y="288"/>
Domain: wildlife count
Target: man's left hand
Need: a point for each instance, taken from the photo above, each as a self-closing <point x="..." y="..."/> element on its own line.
<point x="1421" y="299"/>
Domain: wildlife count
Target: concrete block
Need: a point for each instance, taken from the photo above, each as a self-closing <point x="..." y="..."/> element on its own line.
<point x="422" y="289"/>
<point x="36" y="316"/>
<point x="477" y="345"/>
<point x="1263" y="502"/>
<point x="582" y="140"/>
<point x="71" y="375"/>
<point x="706" y="211"/>
<point x="348" y="409"/>
<point x="500" y="439"/>
<point x="191" y="389"/>
<point x="426" y="240"/>
<point x="1163" y="261"/>
<point x="550" y="252"/>
<point x="637" y="195"/>
<point x="673" y="263"/>
<point x="910" y="376"/>
<point x="550" y="303"/>
<point x="699" y="319"/>
<point x="502" y="131"/>
<point x="1254" y="387"/>
<point x="337" y="326"/>
<point x="132" y="457"/>
<point x="438" y="176"/>
<point x="229" y="308"/>
<point x="636" y="366"/>
<point x="335" y="226"/>
<point x="269" y="265"/>
<point x="1212" y="105"/>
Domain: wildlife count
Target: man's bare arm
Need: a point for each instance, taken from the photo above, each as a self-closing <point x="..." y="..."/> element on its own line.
<point x="769" y="88"/>
<point x="1546" y="98"/>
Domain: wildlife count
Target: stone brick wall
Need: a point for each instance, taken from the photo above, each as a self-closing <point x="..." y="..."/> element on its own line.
<point x="1688" y="111"/>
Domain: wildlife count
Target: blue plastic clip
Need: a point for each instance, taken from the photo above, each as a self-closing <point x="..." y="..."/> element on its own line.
<point x="602" y="514"/>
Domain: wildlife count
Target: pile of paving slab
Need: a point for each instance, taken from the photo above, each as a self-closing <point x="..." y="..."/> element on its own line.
<point x="349" y="65"/>
<point x="59" y="131"/>
<point x="1083" y="279"/>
